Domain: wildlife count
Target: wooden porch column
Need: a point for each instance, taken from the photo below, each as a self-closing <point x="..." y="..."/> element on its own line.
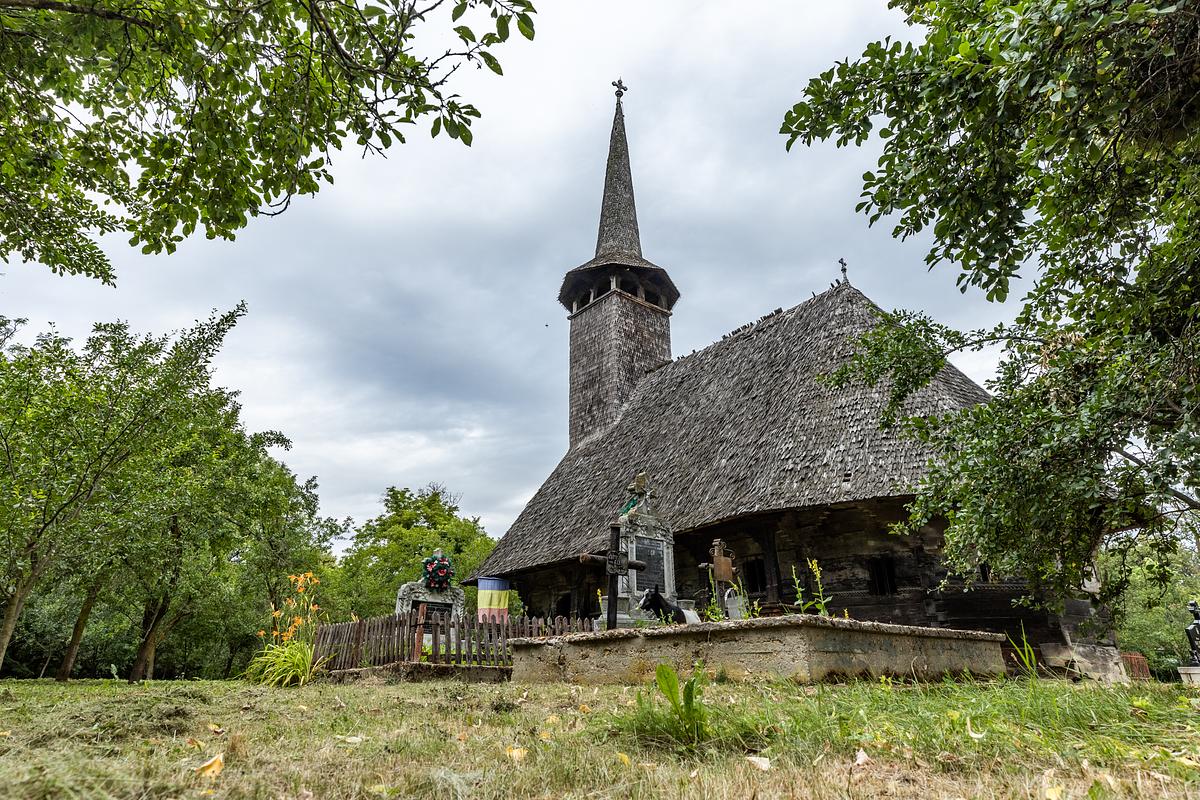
<point x="766" y="540"/>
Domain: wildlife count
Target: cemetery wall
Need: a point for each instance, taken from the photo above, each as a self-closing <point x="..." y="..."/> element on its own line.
<point x="801" y="648"/>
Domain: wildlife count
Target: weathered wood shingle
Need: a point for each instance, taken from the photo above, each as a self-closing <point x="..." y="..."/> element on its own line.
<point x="742" y="426"/>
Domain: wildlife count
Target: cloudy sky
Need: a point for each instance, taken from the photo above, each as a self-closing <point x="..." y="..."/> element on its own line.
<point x="403" y="327"/>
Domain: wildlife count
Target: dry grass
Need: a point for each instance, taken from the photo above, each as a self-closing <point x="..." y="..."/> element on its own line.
<point x="448" y="740"/>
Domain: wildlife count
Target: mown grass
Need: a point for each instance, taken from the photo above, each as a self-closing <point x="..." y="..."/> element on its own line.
<point x="98" y="739"/>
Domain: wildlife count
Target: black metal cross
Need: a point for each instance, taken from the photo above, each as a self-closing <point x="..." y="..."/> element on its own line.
<point x="616" y="564"/>
<point x="621" y="88"/>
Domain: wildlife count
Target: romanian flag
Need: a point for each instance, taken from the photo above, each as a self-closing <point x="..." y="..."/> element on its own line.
<point x="493" y="598"/>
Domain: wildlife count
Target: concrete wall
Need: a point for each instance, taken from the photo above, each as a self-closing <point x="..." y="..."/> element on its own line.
<point x="801" y="648"/>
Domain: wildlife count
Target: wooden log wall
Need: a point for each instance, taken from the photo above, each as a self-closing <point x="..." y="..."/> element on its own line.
<point x="436" y="638"/>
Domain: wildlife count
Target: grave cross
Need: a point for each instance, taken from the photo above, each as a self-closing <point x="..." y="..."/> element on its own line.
<point x="721" y="569"/>
<point x="616" y="564"/>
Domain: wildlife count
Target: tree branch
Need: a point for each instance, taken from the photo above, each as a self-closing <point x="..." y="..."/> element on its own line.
<point x="74" y="8"/>
<point x="1186" y="499"/>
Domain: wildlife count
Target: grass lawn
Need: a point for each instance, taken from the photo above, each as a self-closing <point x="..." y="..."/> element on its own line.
<point x="104" y="739"/>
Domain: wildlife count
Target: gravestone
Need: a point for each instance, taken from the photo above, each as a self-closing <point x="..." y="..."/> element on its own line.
<point x="646" y="538"/>
<point x="435" y="595"/>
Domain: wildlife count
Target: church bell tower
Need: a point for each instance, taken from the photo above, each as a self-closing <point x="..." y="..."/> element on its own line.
<point x="619" y="303"/>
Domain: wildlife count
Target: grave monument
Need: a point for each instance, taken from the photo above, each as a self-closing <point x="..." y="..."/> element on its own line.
<point x="645" y="558"/>
<point x="433" y="590"/>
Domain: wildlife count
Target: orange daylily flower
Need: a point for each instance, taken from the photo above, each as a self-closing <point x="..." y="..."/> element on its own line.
<point x="262" y="633"/>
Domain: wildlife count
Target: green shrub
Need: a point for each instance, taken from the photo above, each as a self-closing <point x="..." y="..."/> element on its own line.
<point x="283" y="664"/>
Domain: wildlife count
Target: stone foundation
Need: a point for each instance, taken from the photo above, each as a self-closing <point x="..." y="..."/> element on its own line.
<point x="802" y="647"/>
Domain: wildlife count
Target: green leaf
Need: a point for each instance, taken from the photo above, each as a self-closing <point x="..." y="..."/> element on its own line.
<point x="525" y="25"/>
<point x="491" y="61"/>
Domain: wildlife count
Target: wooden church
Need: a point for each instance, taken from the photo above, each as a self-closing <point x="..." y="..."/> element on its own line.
<point x="741" y="441"/>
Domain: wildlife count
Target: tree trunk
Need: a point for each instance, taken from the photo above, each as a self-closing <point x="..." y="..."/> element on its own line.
<point x="150" y="658"/>
<point x="12" y="613"/>
<point x="152" y="619"/>
<point x="81" y="621"/>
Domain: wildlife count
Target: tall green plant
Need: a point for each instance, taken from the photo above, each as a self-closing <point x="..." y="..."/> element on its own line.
<point x="819" y="604"/>
<point x="687" y="722"/>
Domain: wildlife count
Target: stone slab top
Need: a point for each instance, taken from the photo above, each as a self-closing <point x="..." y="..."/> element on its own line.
<point x="787" y="621"/>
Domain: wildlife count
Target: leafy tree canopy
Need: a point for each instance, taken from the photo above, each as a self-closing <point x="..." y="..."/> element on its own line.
<point x="157" y="117"/>
<point x="1059" y="140"/>
<point x="386" y="551"/>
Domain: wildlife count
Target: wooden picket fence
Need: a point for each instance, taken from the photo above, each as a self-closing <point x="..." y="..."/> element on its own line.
<point x="438" y="638"/>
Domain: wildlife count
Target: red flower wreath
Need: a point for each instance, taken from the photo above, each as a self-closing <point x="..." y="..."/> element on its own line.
<point x="438" y="572"/>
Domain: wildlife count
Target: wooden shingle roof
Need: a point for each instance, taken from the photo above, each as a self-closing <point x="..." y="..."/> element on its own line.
<point x="740" y="427"/>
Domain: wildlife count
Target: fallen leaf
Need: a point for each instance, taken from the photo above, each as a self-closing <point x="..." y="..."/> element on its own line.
<point x="762" y="763"/>
<point x="217" y="729"/>
<point x="584" y="708"/>
<point x="192" y="741"/>
<point x="694" y="773"/>
<point x="626" y="760"/>
<point x="5" y="733"/>
<point x="544" y="736"/>
<point x="973" y="734"/>
<point x="302" y="708"/>
<point x="350" y="739"/>
<point x="516" y="753"/>
<point x="212" y="768"/>
<point x="553" y="719"/>
<point x="861" y="758"/>
<point x="338" y="702"/>
<point x="1054" y="792"/>
<point x="462" y="736"/>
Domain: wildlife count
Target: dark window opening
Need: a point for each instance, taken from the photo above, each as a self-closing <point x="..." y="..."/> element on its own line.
<point x="985" y="573"/>
<point x="754" y="575"/>
<point x="628" y="286"/>
<point x="653" y="299"/>
<point x="585" y="299"/>
<point x="562" y="608"/>
<point x="882" y="572"/>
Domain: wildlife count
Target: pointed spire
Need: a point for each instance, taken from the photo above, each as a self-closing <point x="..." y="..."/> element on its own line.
<point x="618" y="216"/>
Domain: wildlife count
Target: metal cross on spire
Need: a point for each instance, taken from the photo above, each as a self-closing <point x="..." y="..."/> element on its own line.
<point x="621" y="88"/>
<point x="842" y="261"/>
